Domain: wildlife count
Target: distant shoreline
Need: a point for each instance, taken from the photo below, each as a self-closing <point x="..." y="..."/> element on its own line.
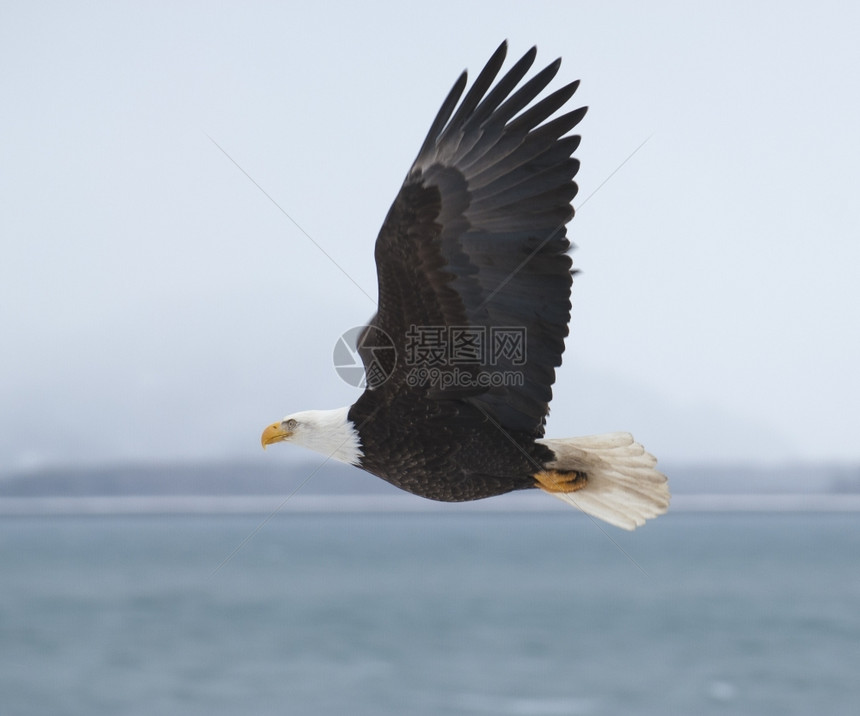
<point x="268" y="504"/>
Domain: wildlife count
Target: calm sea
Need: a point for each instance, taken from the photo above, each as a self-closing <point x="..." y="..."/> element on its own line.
<point x="526" y="614"/>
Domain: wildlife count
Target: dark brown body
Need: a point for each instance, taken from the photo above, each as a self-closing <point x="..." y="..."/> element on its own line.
<point x="444" y="450"/>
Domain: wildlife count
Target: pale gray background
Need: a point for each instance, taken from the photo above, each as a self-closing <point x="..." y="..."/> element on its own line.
<point x="155" y="305"/>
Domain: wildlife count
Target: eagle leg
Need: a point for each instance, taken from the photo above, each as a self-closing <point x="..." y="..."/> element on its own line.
<point x="560" y="480"/>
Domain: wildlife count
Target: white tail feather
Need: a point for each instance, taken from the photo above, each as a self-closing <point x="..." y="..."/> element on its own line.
<point x="623" y="487"/>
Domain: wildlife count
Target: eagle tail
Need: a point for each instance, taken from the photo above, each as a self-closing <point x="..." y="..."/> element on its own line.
<point x="609" y="476"/>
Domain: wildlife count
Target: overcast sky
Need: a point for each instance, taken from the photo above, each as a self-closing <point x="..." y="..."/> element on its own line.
<point x="155" y="304"/>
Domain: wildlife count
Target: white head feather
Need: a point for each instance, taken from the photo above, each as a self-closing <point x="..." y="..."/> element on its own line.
<point x="328" y="432"/>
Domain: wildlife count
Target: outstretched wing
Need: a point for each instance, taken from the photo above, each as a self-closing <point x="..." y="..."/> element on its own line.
<point x="474" y="276"/>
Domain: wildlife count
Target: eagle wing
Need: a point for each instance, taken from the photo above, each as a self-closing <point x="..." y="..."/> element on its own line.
<point x="474" y="276"/>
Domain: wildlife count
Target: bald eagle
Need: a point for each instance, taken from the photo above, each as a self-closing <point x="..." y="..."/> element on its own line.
<point x="474" y="302"/>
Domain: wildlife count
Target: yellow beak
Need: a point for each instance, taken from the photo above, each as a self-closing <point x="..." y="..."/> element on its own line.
<point x="274" y="434"/>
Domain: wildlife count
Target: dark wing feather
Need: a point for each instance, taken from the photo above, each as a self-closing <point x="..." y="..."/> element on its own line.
<point x="476" y="237"/>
